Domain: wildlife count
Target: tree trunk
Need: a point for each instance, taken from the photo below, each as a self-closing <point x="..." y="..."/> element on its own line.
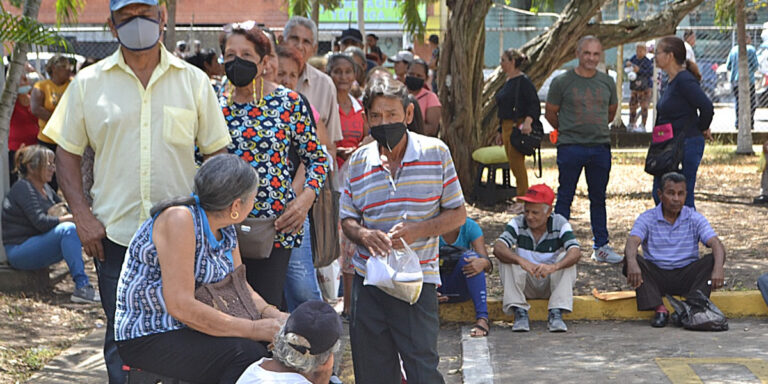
<point x="550" y="50"/>
<point x="8" y="99"/>
<point x="744" y="137"/>
<point x="460" y="75"/>
<point x="170" y="33"/>
<point x="315" y="14"/>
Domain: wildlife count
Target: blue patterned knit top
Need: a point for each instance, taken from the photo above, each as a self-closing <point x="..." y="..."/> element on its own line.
<point x="141" y="308"/>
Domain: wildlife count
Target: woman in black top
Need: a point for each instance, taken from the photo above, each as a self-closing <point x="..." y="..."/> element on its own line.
<point x="684" y="105"/>
<point x="33" y="238"/>
<point x="518" y="108"/>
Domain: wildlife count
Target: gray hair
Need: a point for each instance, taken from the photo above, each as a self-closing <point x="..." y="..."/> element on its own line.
<point x="301" y="21"/>
<point x="293" y="359"/>
<point x="674" y="177"/>
<point x="219" y="181"/>
<point x="586" y="39"/>
<point x="334" y="58"/>
<point x="356" y="51"/>
<point x="386" y="87"/>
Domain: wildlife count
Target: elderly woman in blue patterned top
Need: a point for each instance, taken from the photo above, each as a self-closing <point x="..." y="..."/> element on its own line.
<point x="160" y="327"/>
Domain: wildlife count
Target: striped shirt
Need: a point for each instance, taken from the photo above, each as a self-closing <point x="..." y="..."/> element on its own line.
<point x="425" y="183"/>
<point x="141" y="308"/>
<point x="672" y="246"/>
<point x="557" y="239"/>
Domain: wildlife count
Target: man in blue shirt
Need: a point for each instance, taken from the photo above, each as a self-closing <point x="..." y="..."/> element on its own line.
<point x="752" y="65"/>
<point x="670" y="264"/>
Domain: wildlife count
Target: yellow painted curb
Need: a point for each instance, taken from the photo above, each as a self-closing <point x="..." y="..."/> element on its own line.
<point x="733" y="304"/>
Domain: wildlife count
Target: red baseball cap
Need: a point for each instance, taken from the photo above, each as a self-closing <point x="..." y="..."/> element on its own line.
<point x="540" y="194"/>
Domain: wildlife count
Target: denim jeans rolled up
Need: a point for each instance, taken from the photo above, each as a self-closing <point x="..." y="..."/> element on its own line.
<point x="762" y="285"/>
<point x="40" y="251"/>
<point x="459" y="288"/>
<point x="301" y="279"/>
<point x="596" y="162"/>
<point x="693" y="152"/>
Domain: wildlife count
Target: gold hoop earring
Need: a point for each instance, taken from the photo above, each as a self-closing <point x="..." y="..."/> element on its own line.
<point x="234" y="215"/>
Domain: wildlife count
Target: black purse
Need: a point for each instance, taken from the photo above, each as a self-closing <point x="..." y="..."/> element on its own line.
<point x="530" y="144"/>
<point x="665" y="156"/>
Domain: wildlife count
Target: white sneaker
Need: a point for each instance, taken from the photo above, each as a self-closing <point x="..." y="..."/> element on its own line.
<point x="606" y="254"/>
<point x="631" y="127"/>
<point x="639" y="129"/>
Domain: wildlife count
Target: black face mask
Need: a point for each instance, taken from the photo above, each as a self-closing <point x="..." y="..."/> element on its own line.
<point x="388" y="135"/>
<point x="240" y="72"/>
<point x="414" y="83"/>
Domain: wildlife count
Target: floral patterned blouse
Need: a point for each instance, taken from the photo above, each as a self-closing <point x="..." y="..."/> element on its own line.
<point x="262" y="136"/>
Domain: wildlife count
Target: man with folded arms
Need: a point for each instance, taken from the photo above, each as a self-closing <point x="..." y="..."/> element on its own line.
<point x="543" y="262"/>
<point x="670" y="263"/>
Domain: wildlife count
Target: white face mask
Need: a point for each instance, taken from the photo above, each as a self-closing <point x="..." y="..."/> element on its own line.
<point x="24" y="89"/>
<point x="138" y="33"/>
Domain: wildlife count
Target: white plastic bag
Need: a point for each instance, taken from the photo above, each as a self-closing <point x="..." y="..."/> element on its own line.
<point x="328" y="279"/>
<point x="399" y="275"/>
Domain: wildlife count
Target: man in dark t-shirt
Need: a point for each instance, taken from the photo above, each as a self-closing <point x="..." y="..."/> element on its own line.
<point x="580" y="104"/>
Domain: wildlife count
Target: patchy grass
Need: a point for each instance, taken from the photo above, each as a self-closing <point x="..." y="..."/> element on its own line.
<point x="725" y="187"/>
<point x="34" y="329"/>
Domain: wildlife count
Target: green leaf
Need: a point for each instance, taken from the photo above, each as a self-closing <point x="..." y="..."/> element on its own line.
<point x="412" y="22"/>
<point x="19" y="29"/>
<point x="67" y="10"/>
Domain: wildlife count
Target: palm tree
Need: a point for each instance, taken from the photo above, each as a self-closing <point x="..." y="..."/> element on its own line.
<point x="23" y="31"/>
<point x="311" y="8"/>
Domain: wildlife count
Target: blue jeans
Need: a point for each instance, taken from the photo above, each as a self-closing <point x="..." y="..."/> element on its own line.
<point x="693" y="151"/>
<point x="109" y="273"/>
<point x="762" y="285"/>
<point x="301" y="280"/>
<point x="596" y="162"/>
<point x="460" y="288"/>
<point x="40" y="251"/>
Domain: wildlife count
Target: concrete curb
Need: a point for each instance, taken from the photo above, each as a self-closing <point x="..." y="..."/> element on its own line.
<point x="733" y="304"/>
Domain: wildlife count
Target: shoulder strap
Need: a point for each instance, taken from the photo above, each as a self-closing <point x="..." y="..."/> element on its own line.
<point x="538" y="150"/>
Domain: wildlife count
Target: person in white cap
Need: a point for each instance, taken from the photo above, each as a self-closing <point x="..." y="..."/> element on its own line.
<point x="401" y="60"/>
<point x="142" y="110"/>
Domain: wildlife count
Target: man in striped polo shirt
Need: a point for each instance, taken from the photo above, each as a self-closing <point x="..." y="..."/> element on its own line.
<point x="670" y="234"/>
<point x="402" y="187"/>
<point x="543" y="262"/>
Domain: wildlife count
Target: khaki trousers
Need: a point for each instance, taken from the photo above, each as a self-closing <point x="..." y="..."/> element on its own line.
<point x="520" y="285"/>
<point x="515" y="158"/>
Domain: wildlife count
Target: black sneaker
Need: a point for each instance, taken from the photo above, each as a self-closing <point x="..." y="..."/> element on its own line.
<point x="762" y="199"/>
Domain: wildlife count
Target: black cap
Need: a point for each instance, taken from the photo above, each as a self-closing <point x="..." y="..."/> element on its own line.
<point x="317" y="323"/>
<point x="351" y="34"/>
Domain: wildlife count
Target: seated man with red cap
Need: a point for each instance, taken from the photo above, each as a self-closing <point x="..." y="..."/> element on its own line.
<point x="538" y="253"/>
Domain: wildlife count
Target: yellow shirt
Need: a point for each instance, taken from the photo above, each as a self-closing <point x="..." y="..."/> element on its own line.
<point x="143" y="139"/>
<point x="51" y="95"/>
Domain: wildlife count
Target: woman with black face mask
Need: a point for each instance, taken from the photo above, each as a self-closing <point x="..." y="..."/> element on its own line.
<point x="265" y="121"/>
<point x="431" y="109"/>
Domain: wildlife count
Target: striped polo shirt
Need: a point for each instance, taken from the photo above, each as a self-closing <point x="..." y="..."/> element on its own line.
<point x="425" y="182"/>
<point x="672" y="246"/>
<point x="557" y="239"/>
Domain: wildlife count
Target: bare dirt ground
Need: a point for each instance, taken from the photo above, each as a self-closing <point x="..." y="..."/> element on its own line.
<point x="35" y="329"/>
<point x="726" y="185"/>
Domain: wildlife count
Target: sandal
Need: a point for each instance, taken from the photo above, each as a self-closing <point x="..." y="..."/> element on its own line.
<point x="480" y="331"/>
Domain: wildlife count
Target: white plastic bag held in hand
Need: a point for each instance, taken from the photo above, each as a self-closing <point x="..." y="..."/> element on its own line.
<point x="399" y="275"/>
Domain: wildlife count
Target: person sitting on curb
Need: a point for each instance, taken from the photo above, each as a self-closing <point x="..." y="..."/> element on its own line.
<point x="463" y="276"/>
<point x="763" y="198"/>
<point x="35" y="235"/>
<point x="543" y="264"/>
<point x="670" y="264"/>
<point x="303" y="348"/>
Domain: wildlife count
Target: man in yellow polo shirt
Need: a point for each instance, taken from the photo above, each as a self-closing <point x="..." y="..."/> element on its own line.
<point x="142" y="110"/>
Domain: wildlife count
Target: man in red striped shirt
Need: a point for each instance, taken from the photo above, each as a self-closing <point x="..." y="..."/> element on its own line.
<point x="402" y="187"/>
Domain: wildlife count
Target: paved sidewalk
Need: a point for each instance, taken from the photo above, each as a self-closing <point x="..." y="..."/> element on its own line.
<point x="83" y="363"/>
